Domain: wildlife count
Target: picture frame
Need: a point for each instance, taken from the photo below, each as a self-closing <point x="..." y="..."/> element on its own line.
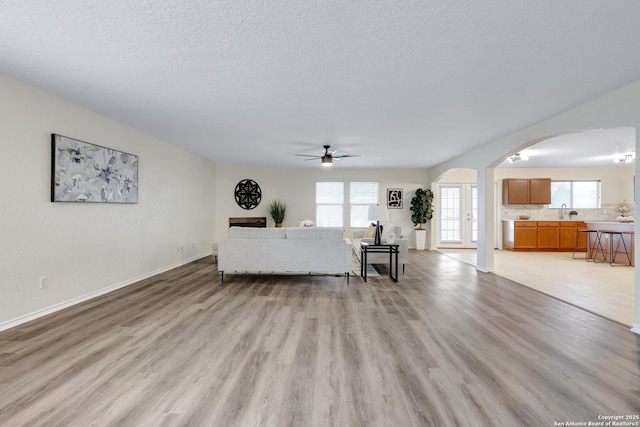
<point x="89" y="173"/>
<point x="394" y="198"/>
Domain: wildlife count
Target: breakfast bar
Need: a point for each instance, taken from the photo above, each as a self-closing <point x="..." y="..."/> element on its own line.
<point x="626" y="231"/>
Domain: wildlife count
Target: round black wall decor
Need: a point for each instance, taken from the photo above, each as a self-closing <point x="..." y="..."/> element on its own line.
<point x="248" y="194"/>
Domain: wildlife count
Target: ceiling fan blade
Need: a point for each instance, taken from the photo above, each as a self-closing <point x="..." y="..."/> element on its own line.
<point x="309" y="155"/>
<point x="314" y="158"/>
<point x="346" y="155"/>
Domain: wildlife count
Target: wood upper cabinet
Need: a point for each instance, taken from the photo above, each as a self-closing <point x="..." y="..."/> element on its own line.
<point x="523" y="191"/>
<point x="515" y="191"/>
<point x="540" y="191"/>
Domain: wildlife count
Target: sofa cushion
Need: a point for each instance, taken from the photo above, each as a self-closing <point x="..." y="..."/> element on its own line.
<point x="314" y="233"/>
<point x="256" y="233"/>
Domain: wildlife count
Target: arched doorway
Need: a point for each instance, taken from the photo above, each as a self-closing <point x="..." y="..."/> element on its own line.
<point x="573" y="157"/>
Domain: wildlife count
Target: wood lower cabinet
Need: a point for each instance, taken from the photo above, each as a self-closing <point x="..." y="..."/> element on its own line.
<point x="548" y="235"/>
<point x="542" y="235"/>
<point x="568" y="231"/>
<point x="525" y="235"/>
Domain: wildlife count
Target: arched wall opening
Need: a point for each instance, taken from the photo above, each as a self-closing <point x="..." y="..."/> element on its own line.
<point x="617" y="183"/>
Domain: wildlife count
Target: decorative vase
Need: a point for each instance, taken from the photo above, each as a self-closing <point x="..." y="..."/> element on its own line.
<point x="421" y="236"/>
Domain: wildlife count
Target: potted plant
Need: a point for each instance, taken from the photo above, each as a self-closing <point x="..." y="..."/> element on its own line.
<point x="421" y="212"/>
<point x="277" y="212"/>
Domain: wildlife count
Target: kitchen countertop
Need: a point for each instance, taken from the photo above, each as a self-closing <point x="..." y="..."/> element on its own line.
<point x="588" y="221"/>
<point x="545" y="220"/>
<point x="609" y="222"/>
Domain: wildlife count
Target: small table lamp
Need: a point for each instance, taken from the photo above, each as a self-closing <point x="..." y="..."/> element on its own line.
<point x="378" y="213"/>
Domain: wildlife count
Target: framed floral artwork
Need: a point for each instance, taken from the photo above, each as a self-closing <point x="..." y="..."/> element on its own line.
<point x="88" y="173"/>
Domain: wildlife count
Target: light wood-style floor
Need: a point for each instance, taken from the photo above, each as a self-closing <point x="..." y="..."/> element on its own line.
<point x="444" y="346"/>
<point x="599" y="288"/>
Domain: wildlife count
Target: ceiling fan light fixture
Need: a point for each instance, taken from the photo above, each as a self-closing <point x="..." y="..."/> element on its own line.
<point x="327" y="157"/>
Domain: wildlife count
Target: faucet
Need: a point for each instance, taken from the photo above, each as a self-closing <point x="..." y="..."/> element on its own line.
<point x="563" y="211"/>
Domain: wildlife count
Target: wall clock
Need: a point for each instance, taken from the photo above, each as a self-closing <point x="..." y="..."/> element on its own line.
<point x="248" y="194"/>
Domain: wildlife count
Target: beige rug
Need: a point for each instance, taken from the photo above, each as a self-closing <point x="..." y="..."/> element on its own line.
<point x="355" y="269"/>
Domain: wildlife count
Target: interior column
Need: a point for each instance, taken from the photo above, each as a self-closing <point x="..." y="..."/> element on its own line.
<point x="486" y="220"/>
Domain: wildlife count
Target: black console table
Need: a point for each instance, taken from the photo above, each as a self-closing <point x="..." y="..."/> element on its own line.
<point x="391" y="249"/>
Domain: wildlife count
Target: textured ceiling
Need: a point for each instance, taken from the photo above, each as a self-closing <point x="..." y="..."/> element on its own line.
<point x="403" y="83"/>
<point x="591" y="148"/>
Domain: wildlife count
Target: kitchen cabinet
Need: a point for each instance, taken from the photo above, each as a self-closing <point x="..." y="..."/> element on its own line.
<point x="540" y="191"/>
<point x="568" y="231"/>
<point x="542" y="235"/>
<point x="548" y="235"/>
<point x="515" y="191"/>
<point x="526" y="191"/>
<point x="525" y="235"/>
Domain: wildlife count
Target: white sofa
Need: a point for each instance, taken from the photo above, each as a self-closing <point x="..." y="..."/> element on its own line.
<point x="295" y="249"/>
<point x="382" y="258"/>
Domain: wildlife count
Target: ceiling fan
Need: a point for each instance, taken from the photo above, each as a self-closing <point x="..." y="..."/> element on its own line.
<point x="328" y="156"/>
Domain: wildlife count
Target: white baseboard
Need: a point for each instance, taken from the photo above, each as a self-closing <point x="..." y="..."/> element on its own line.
<point x="636" y="329"/>
<point x="57" y="307"/>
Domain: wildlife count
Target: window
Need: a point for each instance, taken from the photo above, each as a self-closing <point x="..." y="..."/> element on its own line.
<point x="329" y="204"/>
<point x="361" y="196"/>
<point x="575" y="194"/>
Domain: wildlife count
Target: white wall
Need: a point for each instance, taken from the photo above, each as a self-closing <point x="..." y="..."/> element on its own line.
<point x="296" y="187"/>
<point x="465" y="176"/>
<point x="86" y="249"/>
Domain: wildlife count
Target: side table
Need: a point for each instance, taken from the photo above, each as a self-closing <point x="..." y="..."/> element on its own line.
<point x="391" y="249"/>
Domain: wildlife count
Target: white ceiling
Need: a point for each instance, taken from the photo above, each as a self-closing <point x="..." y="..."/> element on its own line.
<point x="588" y="149"/>
<point x="403" y="83"/>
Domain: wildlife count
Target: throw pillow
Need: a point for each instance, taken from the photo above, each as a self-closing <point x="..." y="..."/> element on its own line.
<point x="370" y="233"/>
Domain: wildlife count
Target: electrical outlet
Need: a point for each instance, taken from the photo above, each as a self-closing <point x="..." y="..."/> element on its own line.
<point x="44" y="282"/>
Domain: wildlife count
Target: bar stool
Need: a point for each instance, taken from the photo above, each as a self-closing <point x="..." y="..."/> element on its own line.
<point x="612" y="252"/>
<point x="591" y="246"/>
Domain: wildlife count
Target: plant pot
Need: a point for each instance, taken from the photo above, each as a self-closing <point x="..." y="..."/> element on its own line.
<point x="278" y="225"/>
<point x="421" y="237"/>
